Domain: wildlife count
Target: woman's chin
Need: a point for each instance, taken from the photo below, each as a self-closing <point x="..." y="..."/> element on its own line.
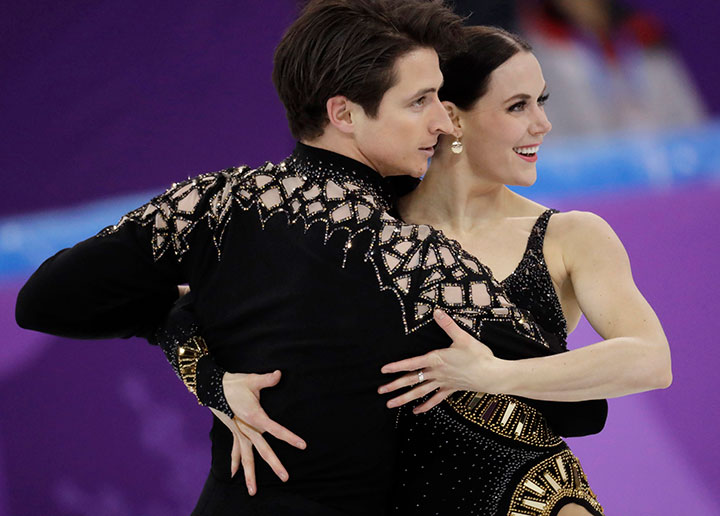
<point x="524" y="180"/>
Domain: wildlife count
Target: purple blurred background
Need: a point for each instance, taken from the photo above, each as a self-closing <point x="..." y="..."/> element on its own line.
<point x="106" y="98"/>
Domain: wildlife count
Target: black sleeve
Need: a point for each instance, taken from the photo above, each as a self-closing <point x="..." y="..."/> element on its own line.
<point x="180" y="338"/>
<point x="122" y="281"/>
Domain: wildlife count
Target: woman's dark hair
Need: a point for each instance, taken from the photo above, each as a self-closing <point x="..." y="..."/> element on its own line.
<point x="467" y="73"/>
<point x="349" y="47"/>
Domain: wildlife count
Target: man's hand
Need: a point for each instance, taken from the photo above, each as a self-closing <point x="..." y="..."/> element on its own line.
<point x="242" y="392"/>
<point x="466" y="365"/>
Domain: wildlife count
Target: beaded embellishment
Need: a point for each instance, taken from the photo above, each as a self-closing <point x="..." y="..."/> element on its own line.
<point x="291" y="187"/>
<point x="423" y="268"/>
<point x="426" y="270"/>
<point x="530" y="284"/>
<point x="173" y="215"/>
<point x="556" y="478"/>
<point x="189" y="353"/>
<point x="505" y="416"/>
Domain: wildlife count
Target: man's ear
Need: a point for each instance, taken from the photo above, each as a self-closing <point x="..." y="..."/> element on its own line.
<point x="340" y="113"/>
<point x="454" y="113"/>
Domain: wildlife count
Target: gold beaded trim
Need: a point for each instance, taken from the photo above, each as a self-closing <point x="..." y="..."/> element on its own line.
<point x="555" y="478"/>
<point x="505" y="416"/>
<point x="188" y="356"/>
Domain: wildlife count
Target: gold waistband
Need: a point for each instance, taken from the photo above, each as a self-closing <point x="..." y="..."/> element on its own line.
<point x="505" y="416"/>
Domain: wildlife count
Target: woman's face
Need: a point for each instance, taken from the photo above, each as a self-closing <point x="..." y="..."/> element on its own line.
<point x="506" y="126"/>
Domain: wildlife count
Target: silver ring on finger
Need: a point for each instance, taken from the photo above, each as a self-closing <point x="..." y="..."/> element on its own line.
<point x="421" y="376"/>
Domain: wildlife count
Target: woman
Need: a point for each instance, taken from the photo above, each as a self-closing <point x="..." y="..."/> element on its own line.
<point x="458" y="455"/>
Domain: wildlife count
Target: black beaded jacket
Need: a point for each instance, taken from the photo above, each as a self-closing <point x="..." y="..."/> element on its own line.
<point x="298" y="267"/>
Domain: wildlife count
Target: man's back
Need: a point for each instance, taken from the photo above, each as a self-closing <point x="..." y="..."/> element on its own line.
<point x="278" y="260"/>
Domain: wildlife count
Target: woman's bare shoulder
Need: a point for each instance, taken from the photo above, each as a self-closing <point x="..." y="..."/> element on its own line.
<point x="583" y="234"/>
<point x="583" y="224"/>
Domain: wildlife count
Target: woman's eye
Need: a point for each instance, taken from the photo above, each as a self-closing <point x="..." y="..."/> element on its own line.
<point x="543" y="99"/>
<point x="419" y="102"/>
<point x="518" y="106"/>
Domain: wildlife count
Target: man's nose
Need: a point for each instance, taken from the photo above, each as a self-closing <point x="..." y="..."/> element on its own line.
<point x="440" y="122"/>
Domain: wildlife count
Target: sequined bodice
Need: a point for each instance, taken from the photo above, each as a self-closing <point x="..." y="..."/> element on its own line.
<point x="530" y="285"/>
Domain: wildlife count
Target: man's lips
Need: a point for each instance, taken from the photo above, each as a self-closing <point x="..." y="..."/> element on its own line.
<point x="430" y="151"/>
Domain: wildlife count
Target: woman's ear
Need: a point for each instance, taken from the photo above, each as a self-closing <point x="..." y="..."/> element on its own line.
<point x="454" y="113"/>
<point x="340" y="113"/>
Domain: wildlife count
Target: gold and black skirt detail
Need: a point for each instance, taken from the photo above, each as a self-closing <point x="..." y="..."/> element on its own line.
<point x="505" y="416"/>
<point x="482" y="454"/>
<point x="551" y="484"/>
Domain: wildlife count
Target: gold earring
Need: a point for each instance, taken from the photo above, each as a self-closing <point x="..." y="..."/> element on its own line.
<point x="456" y="147"/>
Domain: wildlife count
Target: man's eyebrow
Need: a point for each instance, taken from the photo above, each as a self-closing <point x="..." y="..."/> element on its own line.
<point x="425" y="91"/>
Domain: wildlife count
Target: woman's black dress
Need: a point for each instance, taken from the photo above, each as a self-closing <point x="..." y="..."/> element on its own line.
<point x="485" y="455"/>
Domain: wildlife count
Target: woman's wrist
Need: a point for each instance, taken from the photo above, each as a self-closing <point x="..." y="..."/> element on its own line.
<point x="500" y="376"/>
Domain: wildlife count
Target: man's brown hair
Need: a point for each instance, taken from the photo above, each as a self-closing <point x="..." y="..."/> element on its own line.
<point x="349" y="48"/>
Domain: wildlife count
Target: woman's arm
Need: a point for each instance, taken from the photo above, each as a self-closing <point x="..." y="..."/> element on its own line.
<point x="634" y="355"/>
<point x="181" y="340"/>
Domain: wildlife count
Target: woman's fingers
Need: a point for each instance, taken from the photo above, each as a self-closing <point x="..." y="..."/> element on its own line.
<point x="409" y="364"/>
<point x="280" y="432"/>
<point x="248" y="464"/>
<point x="269" y="456"/>
<point x="434" y="400"/>
<point x="235" y="455"/>
<point x="449" y="326"/>
<point x="413" y="394"/>
<point x="261" y="381"/>
<point x="404" y="381"/>
<point x="264" y="449"/>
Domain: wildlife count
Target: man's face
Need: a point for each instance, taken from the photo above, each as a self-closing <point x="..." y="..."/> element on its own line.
<point x="400" y="139"/>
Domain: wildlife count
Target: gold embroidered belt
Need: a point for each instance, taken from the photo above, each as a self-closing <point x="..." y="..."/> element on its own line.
<point x="505" y="416"/>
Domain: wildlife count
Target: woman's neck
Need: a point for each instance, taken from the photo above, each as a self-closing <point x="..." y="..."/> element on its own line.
<point x="453" y="197"/>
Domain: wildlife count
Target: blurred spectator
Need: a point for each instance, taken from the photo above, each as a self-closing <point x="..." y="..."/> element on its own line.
<point x="608" y="67"/>
<point x="500" y="13"/>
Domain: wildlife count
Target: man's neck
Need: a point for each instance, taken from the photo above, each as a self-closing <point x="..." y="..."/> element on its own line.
<point x="340" y="144"/>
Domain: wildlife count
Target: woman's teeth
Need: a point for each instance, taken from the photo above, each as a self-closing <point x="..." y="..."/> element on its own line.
<point x="527" y="151"/>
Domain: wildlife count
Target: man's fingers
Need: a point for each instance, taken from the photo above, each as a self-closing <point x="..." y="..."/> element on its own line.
<point x="268" y="455"/>
<point x="248" y="464"/>
<point x="448" y="325"/>
<point x="404" y="381"/>
<point x="414" y="394"/>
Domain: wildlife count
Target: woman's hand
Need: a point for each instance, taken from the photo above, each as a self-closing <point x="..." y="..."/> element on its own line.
<point x="242" y="392"/>
<point x="466" y="365"/>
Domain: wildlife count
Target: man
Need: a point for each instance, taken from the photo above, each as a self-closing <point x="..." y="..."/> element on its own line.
<point x="277" y="259"/>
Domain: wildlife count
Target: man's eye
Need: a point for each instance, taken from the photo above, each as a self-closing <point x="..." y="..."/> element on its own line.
<point x="419" y="102"/>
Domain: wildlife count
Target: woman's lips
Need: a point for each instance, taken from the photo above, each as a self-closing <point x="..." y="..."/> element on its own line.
<point x="527" y="152"/>
<point x="530" y="159"/>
